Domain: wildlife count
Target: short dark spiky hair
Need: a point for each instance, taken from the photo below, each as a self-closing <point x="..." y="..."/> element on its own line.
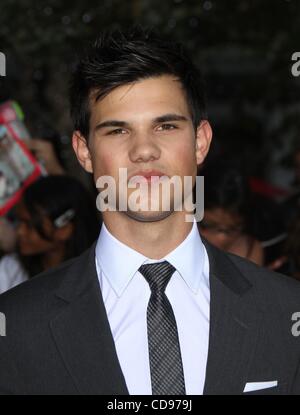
<point x="119" y="58"/>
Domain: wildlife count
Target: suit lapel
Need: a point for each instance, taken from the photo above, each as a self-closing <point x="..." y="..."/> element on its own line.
<point x="82" y="334"/>
<point x="234" y="326"/>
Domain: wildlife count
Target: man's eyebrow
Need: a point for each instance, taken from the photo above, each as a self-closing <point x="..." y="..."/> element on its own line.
<point x="170" y="117"/>
<point x="122" y="124"/>
<point x="111" y="123"/>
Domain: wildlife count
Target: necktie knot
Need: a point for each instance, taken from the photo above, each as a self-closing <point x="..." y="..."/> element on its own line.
<point x="157" y="275"/>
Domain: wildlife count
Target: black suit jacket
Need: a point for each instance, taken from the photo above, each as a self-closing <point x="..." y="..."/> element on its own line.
<point x="58" y="339"/>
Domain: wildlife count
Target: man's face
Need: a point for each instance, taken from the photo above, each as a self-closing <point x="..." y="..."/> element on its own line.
<point x="30" y="242"/>
<point x="143" y="126"/>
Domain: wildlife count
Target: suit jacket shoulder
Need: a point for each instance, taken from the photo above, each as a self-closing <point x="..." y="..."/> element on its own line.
<point x="70" y="277"/>
<point x="273" y="289"/>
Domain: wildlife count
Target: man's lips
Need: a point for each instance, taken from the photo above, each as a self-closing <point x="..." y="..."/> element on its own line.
<point x="147" y="175"/>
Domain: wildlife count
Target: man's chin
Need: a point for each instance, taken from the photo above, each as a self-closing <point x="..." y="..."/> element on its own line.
<point x="148" y="216"/>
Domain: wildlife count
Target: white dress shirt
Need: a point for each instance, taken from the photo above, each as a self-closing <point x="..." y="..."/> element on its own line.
<point x="126" y="295"/>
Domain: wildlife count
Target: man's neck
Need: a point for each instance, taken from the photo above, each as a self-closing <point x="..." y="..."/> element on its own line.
<point x="153" y="239"/>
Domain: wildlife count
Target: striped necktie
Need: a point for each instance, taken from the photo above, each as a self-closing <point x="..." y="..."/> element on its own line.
<point x="167" y="376"/>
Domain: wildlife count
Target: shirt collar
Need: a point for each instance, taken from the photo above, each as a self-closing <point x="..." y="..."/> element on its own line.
<point x="119" y="262"/>
<point x="189" y="259"/>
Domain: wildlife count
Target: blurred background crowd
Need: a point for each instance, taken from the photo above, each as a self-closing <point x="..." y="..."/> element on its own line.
<point x="252" y="173"/>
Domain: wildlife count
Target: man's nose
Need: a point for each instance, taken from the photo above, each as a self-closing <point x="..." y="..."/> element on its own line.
<point x="144" y="148"/>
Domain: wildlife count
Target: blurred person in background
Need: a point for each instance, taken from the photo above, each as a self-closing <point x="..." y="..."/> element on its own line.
<point x="291" y="203"/>
<point x="57" y="220"/>
<point x="226" y="223"/>
<point x="45" y="152"/>
<point x="292" y="247"/>
<point x="7" y="236"/>
<point x="48" y="155"/>
<point x="11" y="272"/>
<point x="296" y="167"/>
<point x="270" y="225"/>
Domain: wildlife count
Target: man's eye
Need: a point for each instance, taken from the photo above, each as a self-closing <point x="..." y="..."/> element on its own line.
<point x="117" y="131"/>
<point x="167" y="127"/>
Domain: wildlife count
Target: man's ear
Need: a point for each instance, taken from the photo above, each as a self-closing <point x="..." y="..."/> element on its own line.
<point x="203" y="140"/>
<point x="82" y="151"/>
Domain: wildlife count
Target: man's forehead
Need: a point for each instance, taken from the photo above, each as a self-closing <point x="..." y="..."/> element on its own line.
<point x="98" y="94"/>
<point x="165" y="92"/>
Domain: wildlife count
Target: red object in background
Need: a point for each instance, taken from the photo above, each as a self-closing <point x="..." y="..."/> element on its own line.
<point x="261" y="187"/>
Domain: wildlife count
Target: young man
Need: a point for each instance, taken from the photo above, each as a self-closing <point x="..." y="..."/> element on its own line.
<point x="150" y="308"/>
